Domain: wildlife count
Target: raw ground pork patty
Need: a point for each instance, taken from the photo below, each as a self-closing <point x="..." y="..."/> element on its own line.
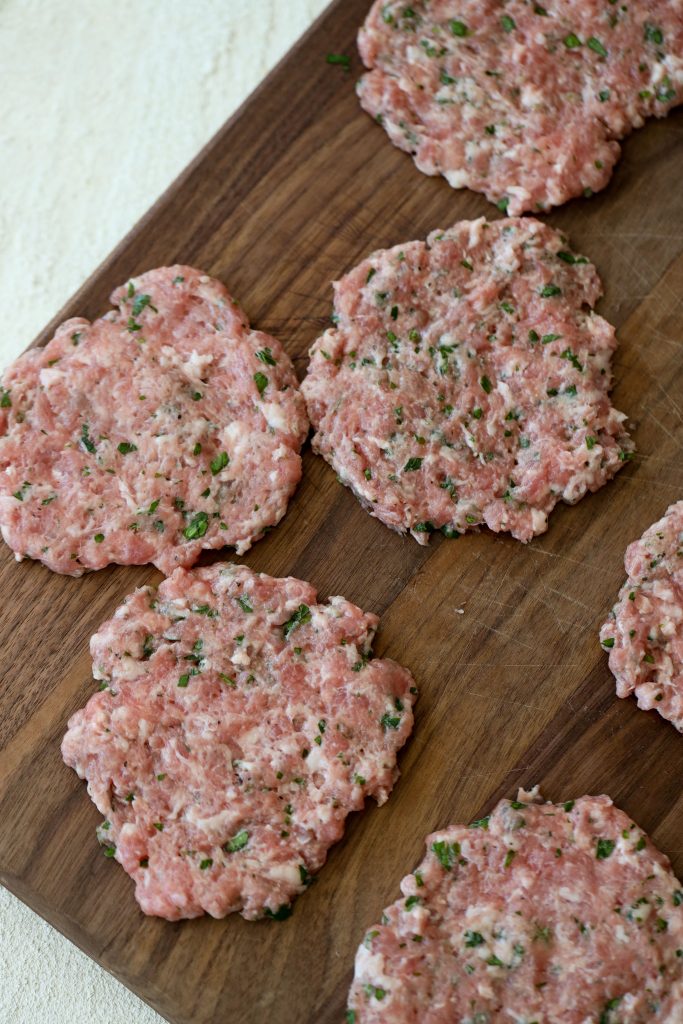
<point x="644" y="633"/>
<point x="466" y="381"/>
<point x="540" y="914"/>
<point x="163" y="428"/>
<point x="521" y="101"/>
<point x="237" y="725"/>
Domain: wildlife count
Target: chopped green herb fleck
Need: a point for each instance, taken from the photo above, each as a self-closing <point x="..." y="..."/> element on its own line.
<point x="447" y="853"/>
<point x="459" y="29"/>
<point x="238" y="842"/>
<point x="281" y="914"/>
<point x="339" y="58"/>
<point x="141" y="302"/>
<point x="389" y="721"/>
<point x="266" y="356"/>
<point x="604" y="848"/>
<point x="480" y="823"/>
<point x="86" y="443"/>
<point x="197" y="526"/>
<point x="219" y="463"/>
<point x="300" y="616"/>
<point x="596" y="46"/>
<point x="653" y="34"/>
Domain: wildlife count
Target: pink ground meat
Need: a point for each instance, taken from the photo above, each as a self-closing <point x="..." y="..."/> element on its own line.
<point x="165" y="427"/>
<point x="644" y="633"/>
<point x="237" y="725"/>
<point x="522" y="101"/>
<point x="466" y="381"/>
<point x="544" y="913"/>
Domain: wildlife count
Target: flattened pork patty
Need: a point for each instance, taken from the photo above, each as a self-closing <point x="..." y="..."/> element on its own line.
<point x="165" y="427"/>
<point x="644" y="633"/>
<point x="467" y="381"/>
<point x="556" y="913"/>
<point x="237" y="725"/>
<point x="522" y="101"/>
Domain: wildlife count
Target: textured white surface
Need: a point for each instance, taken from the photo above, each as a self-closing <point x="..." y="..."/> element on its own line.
<point x="102" y="105"/>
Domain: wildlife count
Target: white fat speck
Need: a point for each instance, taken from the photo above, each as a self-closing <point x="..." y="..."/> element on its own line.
<point x="315" y="758"/>
<point x="220" y="824"/>
<point x="274" y="415"/>
<point x="145" y="729"/>
<point x="132" y="668"/>
<point x="570" y="895"/>
<point x="281" y="453"/>
<point x="252" y="737"/>
<point x="371" y="965"/>
<point x="288" y="873"/>
<point x="457" y="178"/>
<point x="476" y="229"/>
<point x="518" y="192"/>
<point x="531" y="96"/>
<point x="195" y="367"/>
<point x="236" y="437"/>
<point x="51" y="375"/>
<point x="539" y="521"/>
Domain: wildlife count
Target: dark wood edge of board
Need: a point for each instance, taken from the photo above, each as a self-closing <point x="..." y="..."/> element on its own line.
<point x="70" y="308"/>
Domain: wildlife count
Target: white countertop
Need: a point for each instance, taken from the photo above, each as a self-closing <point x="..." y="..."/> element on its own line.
<point x="102" y="105"/>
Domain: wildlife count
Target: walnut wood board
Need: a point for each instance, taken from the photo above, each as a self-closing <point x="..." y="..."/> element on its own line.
<point x="501" y="637"/>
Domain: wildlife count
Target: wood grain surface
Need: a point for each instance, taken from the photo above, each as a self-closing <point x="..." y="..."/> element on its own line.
<point x="501" y="637"/>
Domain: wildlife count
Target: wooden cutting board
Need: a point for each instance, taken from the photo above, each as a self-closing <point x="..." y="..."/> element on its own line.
<point x="502" y="638"/>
